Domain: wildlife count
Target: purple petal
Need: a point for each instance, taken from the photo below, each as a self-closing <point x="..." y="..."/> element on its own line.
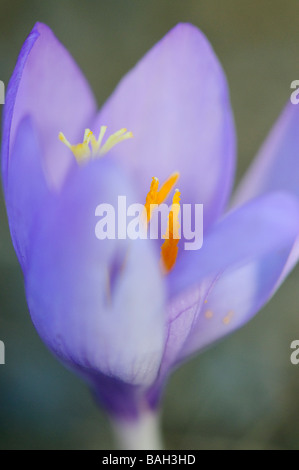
<point x="276" y="167"/>
<point x="176" y="103"/>
<point x="120" y="399"/>
<point x="234" y="298"/>
<point x="262" y="226"/>
<point x="98" y="304"/>
<point x="47" y="85"/>
<point x="10" y="98"/>
<point x="232" y="276"/>
<point x="26" y="190"/>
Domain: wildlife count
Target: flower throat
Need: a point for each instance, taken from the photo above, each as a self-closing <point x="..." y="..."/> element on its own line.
<point x="92" y="148"/>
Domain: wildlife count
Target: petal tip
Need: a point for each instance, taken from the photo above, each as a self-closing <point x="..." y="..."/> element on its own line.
<point x="40" y="27"/>
<point x="185" y="29"/>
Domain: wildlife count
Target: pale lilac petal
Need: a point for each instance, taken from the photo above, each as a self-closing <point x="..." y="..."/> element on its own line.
<point x="98" y="304"/>
<point x="232" y="276"/>
<point x="176" y="103"/>
<point x="47" y="85"/>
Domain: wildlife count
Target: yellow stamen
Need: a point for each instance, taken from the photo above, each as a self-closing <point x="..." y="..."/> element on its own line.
<point x="92" y="147"/>
<point x="87" y="136"/>
<point x="80" y="151"/>
<point x="114" y="139"/>
<point x="169" y="249"/>
<point x="96" y="144"/>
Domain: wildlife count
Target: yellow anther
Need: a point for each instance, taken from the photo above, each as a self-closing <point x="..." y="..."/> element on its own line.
<point x="92" y="147"/>
<point x="169" y="249"/>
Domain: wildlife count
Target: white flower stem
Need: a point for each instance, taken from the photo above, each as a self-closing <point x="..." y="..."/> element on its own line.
<point x="141" y="434"/>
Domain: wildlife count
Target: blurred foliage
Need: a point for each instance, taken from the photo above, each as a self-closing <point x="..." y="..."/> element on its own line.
<point x="242" y="393"/>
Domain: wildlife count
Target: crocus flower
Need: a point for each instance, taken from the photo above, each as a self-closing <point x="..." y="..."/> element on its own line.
<point x="105" y="308"/>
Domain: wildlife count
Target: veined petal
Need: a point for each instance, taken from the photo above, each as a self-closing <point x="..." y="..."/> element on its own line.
<point x="48" y="86"/>
<point x="176" y="103"/>
<point x="97" y="304"/>
<point x="235" y="297"/>
<point x="233" y="275"/>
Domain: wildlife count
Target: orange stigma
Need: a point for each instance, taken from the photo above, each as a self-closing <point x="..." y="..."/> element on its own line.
<point x="169" y="249"/>
<point x="157" y="196"/>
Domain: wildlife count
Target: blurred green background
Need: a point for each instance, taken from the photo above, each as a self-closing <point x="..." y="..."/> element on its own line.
<point x="242" y="393"/>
